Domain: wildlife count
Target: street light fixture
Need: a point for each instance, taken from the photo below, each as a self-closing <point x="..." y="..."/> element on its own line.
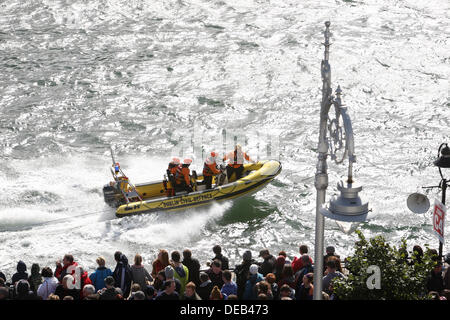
<point x="419" y="203"/>
<point x="348" y="206"/>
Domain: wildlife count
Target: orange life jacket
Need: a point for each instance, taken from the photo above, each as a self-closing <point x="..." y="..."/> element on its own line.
<point x="210" y="169"/>
<point x="183" y="173"/>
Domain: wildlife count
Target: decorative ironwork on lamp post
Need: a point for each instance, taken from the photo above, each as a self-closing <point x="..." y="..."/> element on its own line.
<point x="348" y="206"/>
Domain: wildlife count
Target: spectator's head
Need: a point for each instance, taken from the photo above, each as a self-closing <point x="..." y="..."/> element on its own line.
<point x="283" y="253"/>
<point x="325" y="296"/>
<point x="262" y="296"/>
<point x="270" y="278"/>
<point x="204" y="277"/>
<point x="53" y="297"/>
<point x="175" y="256"/>
<point x="306" y="260"/>
<point x="135" y="287"/>
<point x="163" y="257"/>
<point x="68" y="298"/>
<point x="2" y="282"/>
<point x="263" y="287"/>
<point x="88" y="290"/>
<point x="109" y="282"/>
<point x="281" y="260"/>
<point x="264" y="253"/>
<point x="168" y="271"/>
<point x="253" y="269"/>
<point x="287" y="271"/>
<point x="303" y="249"/>
<point x="190" y="289"/>
<point x="434" y="295"/>
<point x="216" y="266"/>
<point x="247" y="256"/>
<point x="434" y="254"/>
<point x="35" y="269"/>
<point x="187" y="254"/>
<point x="418" y="251"/>
<point x="67" y="281"/>
<point x="216" y="294"/>
<point x="446" y="293"/>
<point x="217" y="250"/>
<point x="100" y="261"/>
<point x="68" y="259"/>
<point x="308" y="279"/>
<point x="161" y="275"/>
<point x="139" y="295"/>
<point x="150" y="291"/>
<point x="438" y="267"/>
<point x="232" y="297"/>
<point x="285" y="291"/>
<point x="94" y="296"/>
<point x="330" y="250"/>
<point x="331" y="265"/>
<point x="137" y="259"/>
<point x="21" y="266"/>
<point x="226" y="276"/>
<point x="117" y="255"/>
<point x="169" y="286"/>
<point x="47" y="272"/>
<point x="22" y="288"/>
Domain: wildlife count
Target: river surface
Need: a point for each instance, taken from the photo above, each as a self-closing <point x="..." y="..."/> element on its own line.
<point x="154" y="78"/>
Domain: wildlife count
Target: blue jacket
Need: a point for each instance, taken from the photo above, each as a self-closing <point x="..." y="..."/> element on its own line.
<point x="250" y="292"/>
<point x="98" y="277"/>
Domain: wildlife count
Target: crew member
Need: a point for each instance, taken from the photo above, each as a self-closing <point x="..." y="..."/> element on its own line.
<point x="173" y="165"/>
<point x="182" y="176"/>
<point x="210" y="169"/>
<point x="236" y="163"/>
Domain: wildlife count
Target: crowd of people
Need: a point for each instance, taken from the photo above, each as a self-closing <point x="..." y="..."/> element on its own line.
<point x="181" y="277"/>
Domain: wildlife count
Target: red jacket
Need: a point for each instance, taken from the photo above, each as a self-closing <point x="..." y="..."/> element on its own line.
<point x="60" y="272"/>
<point x="297" y="264"/>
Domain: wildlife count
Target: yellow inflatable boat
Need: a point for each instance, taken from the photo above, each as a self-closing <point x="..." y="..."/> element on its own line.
<point x="156" y="196"/>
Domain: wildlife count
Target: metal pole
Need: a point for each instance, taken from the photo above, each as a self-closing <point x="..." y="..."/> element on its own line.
<point x="321" y="178"/>
<point x="444" y="191"/>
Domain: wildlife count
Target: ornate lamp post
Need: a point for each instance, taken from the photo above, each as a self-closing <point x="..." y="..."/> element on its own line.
<point x="348" y="206"/>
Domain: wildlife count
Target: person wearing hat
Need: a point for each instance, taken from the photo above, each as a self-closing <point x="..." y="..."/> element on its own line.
<point x="236" y="163"/>
<point x="268" y="265"/>
<point x="183" y="176"/>
<point x="170" y="275"/>
<point x="242" y="272"/>
<point x="254" y="278"/>
<point x="210" y="169"/>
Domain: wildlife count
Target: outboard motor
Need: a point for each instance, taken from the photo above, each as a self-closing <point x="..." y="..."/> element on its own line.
<point x="109" y="193"/>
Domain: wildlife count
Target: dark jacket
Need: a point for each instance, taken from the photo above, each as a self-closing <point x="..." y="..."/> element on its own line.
<point x="2" y="275"/>
<point x="216" y="279"/>
<point x="435" y="282"/>
<point x="194" y="270"/>
<point x="205" y="291"/>
<point x="35" y="279"/>
<point x="109" y="294"/>
<point x="61" y="292"/>
<point x="268" y="265"/>
<point x="21" y="273"/>
<point x="223" y="260"/>
<point x="242" y="272"/>
<point x="123" y="270"/>
<point x="164" y="296"/>
<point x="303" y="293"/>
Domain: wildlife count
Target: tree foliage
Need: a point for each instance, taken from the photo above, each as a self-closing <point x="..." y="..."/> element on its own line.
<point x="401" y="278"/>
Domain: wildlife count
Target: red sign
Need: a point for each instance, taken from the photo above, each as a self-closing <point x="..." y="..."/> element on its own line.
<point x="439" y="219"/>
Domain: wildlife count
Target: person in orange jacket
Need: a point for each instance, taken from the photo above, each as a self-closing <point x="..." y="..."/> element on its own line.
<point x="236" y="163"/>
<point x="210" y="169"/>
<point x="182" y="176"/>
<point x="173" y="165"/>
